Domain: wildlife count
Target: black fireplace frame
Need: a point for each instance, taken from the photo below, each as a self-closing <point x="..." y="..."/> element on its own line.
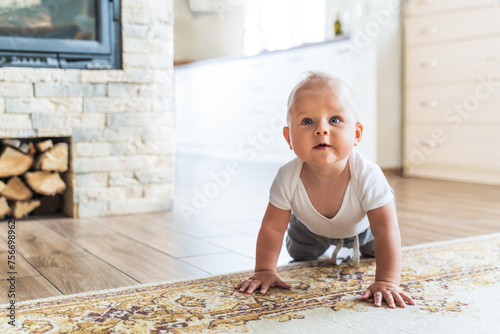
<point x="103" y="53"/>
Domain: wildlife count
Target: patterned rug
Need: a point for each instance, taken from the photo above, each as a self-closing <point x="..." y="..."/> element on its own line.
<point x="456" y="286"/>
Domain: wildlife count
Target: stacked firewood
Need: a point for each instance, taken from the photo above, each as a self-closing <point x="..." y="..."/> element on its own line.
<point x="29" y="171"/>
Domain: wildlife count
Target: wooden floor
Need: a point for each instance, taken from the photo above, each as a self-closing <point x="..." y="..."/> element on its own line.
<point x="210" y="235"/>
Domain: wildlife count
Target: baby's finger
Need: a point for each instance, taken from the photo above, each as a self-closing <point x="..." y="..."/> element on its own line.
<point x="367" y="294"/>
<point x="264" y="288"/>
<point x="253" y="286"/>
<point x="282" y="284"/>
<point x="237" y="286"/>
<point x="378" y="298"/>
<point x="388" y="298"/>
<point x="399" y="299"/>
<point x="407" y="298"/>
<point x="245" y="285"/>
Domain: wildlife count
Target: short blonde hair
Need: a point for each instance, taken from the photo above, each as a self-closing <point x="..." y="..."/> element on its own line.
<point x="320" y="78"/>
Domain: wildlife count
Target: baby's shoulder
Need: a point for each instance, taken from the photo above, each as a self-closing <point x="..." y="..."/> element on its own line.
<point x="291" y="168"/>
<point x="363" y="170"/>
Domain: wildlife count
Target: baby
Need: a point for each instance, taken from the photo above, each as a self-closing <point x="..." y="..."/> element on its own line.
<point x="329" y="194"/>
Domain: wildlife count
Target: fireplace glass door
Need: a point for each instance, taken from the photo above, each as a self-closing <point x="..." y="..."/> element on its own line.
<point x="74" y="20"/>
<point x="60" y="33"/>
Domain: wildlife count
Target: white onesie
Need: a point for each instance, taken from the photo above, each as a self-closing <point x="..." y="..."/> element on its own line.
<point x="368" y="189"/>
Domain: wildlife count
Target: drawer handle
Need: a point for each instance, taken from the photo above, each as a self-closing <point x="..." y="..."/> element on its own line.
<point x="430" y="104"/>
<point x="493" y="57"/>
<point x="427" y="143"/>
<point x="430" y="30"/>
<point x="430" y="63"/>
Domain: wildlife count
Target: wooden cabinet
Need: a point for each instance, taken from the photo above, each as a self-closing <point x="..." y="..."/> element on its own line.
<point x="452" y="90"/>
<point x="452" y="26"/>
<point x="423" y="7"/>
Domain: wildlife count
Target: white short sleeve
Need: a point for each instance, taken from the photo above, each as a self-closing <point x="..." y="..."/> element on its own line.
<point x="281" y="193"/>
<point x="373" y="187"/>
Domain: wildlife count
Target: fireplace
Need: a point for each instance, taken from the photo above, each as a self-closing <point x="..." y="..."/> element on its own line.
<point x="117" y="124"/>
<point x="80" y="34"/>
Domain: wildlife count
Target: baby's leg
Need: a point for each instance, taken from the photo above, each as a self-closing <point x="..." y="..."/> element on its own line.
<point x="367" y="243"/>
<point x="302" y="244"/>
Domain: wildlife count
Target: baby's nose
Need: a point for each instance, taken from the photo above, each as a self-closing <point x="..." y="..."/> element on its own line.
<point x="321" y="130"/>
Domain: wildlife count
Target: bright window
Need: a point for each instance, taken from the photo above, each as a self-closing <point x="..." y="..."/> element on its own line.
<point x="282" y="24"/>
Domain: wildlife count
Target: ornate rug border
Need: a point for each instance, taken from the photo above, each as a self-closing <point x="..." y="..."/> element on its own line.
<point x="86" y="296"/>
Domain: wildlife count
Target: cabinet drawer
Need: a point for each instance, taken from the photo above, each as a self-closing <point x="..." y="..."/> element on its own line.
<point x="453" y="62"/>
<point x="460" y="174"/>
<point x="419" y="7"/>
<point x="438" y="28"/>
<point x="467" y="146"/>
<point x="454" y="104"/>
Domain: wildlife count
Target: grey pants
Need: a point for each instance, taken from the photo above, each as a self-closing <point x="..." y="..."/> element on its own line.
<point x="304" y="245"/>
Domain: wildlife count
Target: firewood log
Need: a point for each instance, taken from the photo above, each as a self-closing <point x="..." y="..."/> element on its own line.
<point x="21" y="209"/>
<point x="54" y="159"/>
<point x="44" y="145"/>
<point x="28" y="148"/>
<point x="16" y="190"/>
<point x="2" y="186"/>
<point x="4" y="208"/>
<point x="15" y="143"/>
<point x="45" y="183"/>
<point x="13" y="162"/>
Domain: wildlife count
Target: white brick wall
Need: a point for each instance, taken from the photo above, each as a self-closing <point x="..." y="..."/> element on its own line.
<point x="11" y="89"/>
<point x="120" y="121"/>
<point x="29" y="75"/>
<point x="93" y="179"/>
<point x="140" y="75"/>
<point x="64" y="105"/>
<point x="117" y="104"/>
<point x="15" y="122"/>
<point x="69" y="89"/>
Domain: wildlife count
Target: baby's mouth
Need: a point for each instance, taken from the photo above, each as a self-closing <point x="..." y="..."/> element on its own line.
<point x="322" y="146"/>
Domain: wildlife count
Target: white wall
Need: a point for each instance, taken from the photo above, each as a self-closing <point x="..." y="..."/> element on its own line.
<point x="375" y="24"/>
<point x="205" y="36"/>
<point x="390" y="86"/>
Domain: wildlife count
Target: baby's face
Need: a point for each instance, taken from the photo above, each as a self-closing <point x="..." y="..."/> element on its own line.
<point x="322" y="126"/>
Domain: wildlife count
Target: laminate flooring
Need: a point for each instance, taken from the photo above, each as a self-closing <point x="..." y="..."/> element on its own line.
<point x="211" y="230"/>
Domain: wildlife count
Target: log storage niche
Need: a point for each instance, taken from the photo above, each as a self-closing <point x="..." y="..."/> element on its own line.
<point x="30" y="176"/>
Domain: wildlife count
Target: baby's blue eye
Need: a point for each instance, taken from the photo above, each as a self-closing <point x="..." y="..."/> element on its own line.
<point x="334" y="120"/>
<point x="307" y="121"/>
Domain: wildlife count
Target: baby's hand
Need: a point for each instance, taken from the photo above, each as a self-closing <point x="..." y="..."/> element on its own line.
<point x="264" y="279"/>
<point x="384" y="290"/>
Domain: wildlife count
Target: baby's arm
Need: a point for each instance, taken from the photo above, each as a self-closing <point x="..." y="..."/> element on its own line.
<point x="269" y="243"/>
<point x="385" y="229"/>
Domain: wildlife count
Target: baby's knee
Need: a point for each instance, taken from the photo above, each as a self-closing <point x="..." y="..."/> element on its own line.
<point x="303" y="252"/>
<point x="368" y="249"/>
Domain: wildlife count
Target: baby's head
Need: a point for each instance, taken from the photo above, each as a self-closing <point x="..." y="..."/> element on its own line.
<point x="322" y="122"/>
<point x="325" y="82"/>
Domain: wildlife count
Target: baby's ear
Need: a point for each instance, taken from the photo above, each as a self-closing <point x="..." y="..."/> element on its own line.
<point x="359" y="133"/>
<point x="286" y="134"/>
